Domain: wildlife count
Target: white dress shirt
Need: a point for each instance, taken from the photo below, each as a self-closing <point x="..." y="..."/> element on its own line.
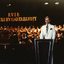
<point x="48" y="35"/>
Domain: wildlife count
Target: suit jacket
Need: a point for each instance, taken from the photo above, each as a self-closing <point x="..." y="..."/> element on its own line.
<point x="48" y="35"/>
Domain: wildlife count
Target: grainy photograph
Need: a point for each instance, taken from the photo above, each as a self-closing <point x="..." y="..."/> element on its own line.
<point x="31" y="31"/>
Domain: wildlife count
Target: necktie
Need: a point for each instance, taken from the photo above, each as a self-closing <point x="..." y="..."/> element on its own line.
<point x="47" y="28"/>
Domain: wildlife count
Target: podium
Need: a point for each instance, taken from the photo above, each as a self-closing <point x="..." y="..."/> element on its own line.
<point x="43" y="51"/>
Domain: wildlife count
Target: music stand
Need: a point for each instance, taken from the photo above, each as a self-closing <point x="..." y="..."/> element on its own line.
<point x="50" y="50"/>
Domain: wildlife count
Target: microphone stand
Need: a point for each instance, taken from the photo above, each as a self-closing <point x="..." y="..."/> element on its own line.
<point x="50" y="52"/>
<point x="36" y="51"/>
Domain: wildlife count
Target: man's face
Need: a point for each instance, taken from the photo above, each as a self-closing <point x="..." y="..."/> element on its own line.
<point x="47" y="20"/>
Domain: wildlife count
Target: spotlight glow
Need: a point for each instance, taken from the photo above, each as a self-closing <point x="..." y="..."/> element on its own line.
<point x="56" y="3"/>
<point x="46" y="3"/>
<point x="9" y="4"/>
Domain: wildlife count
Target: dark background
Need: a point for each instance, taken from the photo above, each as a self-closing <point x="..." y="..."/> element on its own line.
<point x="35" y="8"/>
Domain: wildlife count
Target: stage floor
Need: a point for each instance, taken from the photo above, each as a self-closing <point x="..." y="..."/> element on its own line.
<point x="23" y="54"/>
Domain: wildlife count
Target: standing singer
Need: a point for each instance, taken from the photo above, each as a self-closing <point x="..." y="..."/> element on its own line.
<point x="48" y="32"/>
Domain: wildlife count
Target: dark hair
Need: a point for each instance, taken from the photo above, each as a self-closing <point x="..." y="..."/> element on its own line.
<point x="46" y="17"/>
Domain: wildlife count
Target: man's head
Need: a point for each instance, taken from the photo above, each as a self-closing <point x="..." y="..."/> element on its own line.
<point x="47" y="20"/>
